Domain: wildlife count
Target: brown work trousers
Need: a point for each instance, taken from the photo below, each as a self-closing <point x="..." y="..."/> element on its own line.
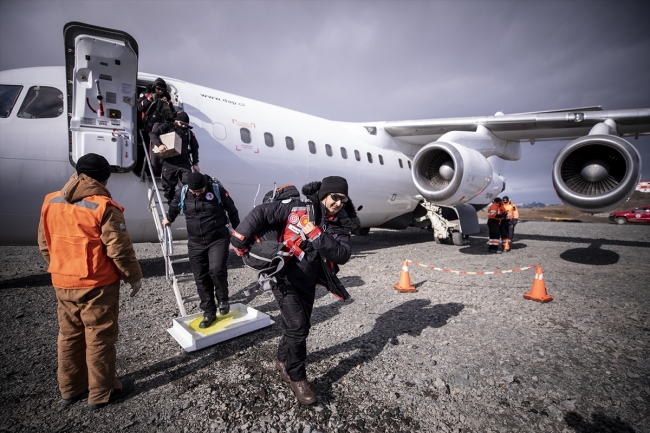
<point x="86" y="343"/>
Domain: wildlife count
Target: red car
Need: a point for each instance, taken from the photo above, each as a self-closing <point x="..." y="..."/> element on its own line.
<point x="637" y="215"/>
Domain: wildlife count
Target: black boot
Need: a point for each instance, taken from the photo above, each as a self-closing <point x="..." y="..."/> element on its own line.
<point x="208" y="318"/>
<point x="224" y="307"/>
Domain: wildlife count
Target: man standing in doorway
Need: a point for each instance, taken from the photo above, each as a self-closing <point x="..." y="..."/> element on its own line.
<point x="82" y="235"/>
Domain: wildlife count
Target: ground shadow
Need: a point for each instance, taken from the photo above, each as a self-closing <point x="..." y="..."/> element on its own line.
<point x="593" y="255"/>
<point x="600" y="423"/>
<point x="576" y="240"/>
<point x="38" y="280"/>
<point x="411" y="318"/>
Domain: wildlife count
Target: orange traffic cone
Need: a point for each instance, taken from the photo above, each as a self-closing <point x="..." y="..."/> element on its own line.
<point x="404" y="284"/>
<point x="538" y="292"/>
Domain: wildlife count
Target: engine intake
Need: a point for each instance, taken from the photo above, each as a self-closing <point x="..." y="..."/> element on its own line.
<point x="596" y="173"/>
<point x="448" y="173"/>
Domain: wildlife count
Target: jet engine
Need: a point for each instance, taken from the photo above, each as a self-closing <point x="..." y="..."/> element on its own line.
<point x="449" y="173"/>
<point x="596" y="173"/>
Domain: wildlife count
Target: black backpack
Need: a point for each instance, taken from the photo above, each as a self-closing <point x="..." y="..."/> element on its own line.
<point x="266" y="252"/>
<point x="157" y="111"/>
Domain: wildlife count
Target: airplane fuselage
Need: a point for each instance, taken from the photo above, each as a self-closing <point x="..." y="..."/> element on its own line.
<point x="285" y="146"/>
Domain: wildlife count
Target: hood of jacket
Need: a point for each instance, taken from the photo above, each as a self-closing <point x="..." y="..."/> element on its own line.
<point x="82" y="186"/>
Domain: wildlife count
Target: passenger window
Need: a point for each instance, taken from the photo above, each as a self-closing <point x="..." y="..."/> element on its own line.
<point x="8" y="96"/>
<point x="245" y="135"/>
<point x="409" y="164"/>
<point x="344" y="153"/>
<point x="381" y="160"/>
<point x="328" y="150"/>
<point x="357" y="155"/>
<point x="312" y="147"/>
<point x="289" y="141"/>
<point x="268" y="139"/>
<point x="370" y="157"/>
<point x="42" y="102"/>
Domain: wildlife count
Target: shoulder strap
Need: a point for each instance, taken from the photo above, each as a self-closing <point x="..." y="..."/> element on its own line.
<point x="215" y="186"/>
<point x="182" y="202"/>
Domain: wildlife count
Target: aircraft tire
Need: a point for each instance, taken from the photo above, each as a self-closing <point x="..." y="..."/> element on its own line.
<point x="457" y="238"/>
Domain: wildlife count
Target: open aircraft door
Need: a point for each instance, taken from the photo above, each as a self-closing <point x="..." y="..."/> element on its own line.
<point x="101" y="72"/>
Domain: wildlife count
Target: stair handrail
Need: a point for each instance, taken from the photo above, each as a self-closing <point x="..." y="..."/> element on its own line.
<point x="164" y="233"/>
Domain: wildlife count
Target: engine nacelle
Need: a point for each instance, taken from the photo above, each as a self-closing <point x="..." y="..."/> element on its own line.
<point x="449" y="173"/>
<point x="596" y="173"/>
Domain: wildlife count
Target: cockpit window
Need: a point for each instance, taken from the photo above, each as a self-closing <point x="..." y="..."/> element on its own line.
<point x="8" y="96"/>
<point x="42" y="102"/>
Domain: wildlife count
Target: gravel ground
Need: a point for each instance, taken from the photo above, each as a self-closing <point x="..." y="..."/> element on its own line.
<point x="463" y="353"/>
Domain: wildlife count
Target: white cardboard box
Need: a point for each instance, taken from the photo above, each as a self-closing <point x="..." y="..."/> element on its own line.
<point x="174" y="145"/>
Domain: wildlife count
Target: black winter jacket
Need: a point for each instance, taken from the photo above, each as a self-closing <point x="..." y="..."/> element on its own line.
<point x="333" y="243"/>
<point x="149" y="116"/>
<point x="204" y="216"/>
<point x="190" y="145"/>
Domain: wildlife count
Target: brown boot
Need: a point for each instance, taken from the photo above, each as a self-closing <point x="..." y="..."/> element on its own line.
<point x="282" y="369"/>
<point x="303" y="392"/>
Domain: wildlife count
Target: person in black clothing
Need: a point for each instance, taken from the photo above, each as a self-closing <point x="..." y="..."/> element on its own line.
<point x="327" y="238"/>
<point x="178" y="167"/>
<point x="155" y="106"/>
<point x="207" y="239"/>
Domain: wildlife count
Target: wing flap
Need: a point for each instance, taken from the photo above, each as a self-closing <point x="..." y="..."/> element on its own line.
<point x="542" y="125"/>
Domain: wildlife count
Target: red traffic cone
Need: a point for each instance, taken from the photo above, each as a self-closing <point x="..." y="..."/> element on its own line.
<point x="538" y="291"/>
<point x="404" y="284"/>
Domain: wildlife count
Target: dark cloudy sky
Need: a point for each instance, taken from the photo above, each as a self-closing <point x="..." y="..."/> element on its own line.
<point x="378" y="60"/>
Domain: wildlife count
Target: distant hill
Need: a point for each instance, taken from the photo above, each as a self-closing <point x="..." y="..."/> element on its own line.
<point x="637" y="199"/>
<point x="532" y="205"/>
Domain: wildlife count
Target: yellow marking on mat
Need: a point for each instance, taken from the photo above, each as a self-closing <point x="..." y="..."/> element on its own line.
<point x="220" y="324"/>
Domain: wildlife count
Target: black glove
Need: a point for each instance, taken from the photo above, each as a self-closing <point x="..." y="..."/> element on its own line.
<point x="236" y="243"/>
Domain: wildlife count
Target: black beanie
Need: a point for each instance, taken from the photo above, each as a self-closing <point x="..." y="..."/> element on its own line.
<point x="183" y="117"/>
<point x="196" y="181"/>
<point x="332" y="184"/>
<point x="160" y="82"/>
<point x="95" y="166"/>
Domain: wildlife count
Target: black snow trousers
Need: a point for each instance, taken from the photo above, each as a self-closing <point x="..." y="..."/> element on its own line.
<point x="511" y="229"/>
<point x="494" y="234"/>
<point x="296" y="305"/>
<point x="171" y="174"/>
<point x="208" y="264"/>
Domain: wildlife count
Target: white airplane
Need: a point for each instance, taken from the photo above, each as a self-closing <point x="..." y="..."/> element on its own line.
<point x="434" y="172"/>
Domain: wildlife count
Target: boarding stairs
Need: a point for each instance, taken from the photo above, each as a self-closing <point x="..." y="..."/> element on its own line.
<point x="157" y="207"/>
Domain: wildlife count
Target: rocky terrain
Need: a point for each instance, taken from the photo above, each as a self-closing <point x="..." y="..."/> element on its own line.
<point x="465" y="353"/>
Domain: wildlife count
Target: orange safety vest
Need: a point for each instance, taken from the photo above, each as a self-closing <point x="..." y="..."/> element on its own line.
<point x="494" y="210"/>
<point x="515" y="212"/>
<point x="78" y="257"/>
<point x="510" y="210"/>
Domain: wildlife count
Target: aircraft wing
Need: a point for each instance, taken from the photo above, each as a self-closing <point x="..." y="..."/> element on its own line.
<point x="541" y="125"/>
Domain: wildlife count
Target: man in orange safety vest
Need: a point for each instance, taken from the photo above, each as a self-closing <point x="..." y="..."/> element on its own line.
<point x="82" y="236"/>
<point x="496" y="212"/>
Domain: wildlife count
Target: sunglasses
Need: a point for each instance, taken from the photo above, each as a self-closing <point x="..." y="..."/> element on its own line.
<point x="160" y="88"/>
<point x="339" y="197"/>
<point x="183" y="124"/>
